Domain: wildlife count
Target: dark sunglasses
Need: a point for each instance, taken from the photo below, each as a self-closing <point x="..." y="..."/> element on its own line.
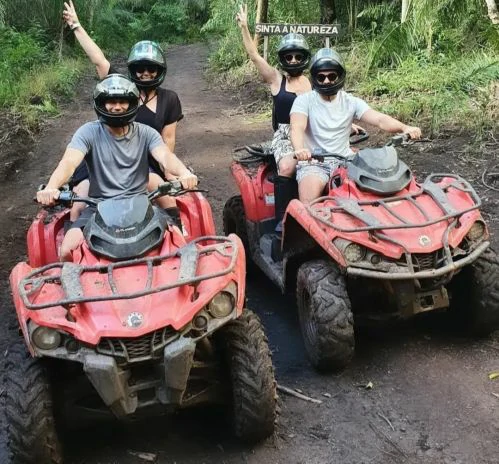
<point x="331" y="77"/>
<point x="146" y="67"/>
<point x="297" y="56"/>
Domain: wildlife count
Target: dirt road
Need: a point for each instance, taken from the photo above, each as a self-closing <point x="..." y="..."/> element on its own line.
<point x="431" y="401"/>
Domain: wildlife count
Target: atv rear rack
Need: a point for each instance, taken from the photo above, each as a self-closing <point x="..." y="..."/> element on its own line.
<point x="69" y="277"/>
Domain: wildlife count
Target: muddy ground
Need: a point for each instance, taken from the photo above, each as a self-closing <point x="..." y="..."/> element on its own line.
<point x="431" y="401"/>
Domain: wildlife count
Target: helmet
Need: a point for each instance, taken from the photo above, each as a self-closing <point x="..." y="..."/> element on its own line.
<point x="120" y="87"/>
<point x="327" y="60"/>
<point x="147" y="52"/>
<point x="293" y="43"/>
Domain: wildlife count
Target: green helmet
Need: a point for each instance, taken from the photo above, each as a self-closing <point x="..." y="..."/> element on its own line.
<point x="146" y="53"/>
<point x="116" y="86"/>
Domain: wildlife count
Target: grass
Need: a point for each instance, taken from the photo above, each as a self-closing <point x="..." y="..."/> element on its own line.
<point x="34" y="95"/>
<point x="434" y="92"/>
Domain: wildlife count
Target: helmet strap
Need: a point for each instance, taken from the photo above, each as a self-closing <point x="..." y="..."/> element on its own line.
<point x="148" y="96"/>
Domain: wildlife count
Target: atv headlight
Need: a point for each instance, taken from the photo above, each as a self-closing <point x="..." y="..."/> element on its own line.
<point x="354" y="252"/>
<point x="46" y="338"/>
<point x="221" y="305"/>
<point x="476" y="232"/>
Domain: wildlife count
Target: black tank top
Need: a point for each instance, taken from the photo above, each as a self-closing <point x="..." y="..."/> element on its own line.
<point x="283" y="102"/>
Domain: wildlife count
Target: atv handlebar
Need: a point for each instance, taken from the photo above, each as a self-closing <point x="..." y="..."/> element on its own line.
<point x="171" y="188"/>
<point x="359" y="137"/>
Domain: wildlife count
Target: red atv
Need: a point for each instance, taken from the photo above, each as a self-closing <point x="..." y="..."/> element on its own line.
<point x="143" y="321"/>
<point x="379" y="245"/>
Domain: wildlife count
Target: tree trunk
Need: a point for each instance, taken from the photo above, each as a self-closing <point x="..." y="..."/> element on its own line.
<point x="262" y="8"/>
<point x="405" y="10"/>
<point x="493" y="12"/>
<point x="352" y="15"/>
<point x="328" y="11"/>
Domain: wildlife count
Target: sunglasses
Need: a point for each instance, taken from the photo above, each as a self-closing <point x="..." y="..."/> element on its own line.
<point x="143" y="68"/>
<point x="297" y="56"/>
<point x="330" y="76"/>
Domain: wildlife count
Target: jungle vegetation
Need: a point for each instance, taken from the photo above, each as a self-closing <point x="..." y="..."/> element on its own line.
<point x="434" y="62"/>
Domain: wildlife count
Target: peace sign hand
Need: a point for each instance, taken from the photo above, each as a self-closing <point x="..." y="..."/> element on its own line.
<point x="242" y="16"/>
<point x="69" y="14"/>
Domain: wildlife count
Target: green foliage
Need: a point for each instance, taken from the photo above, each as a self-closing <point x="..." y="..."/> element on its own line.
<point x="120" y="23"/>
<point x="31" y="76"/>
<point x="435" y="92"/>
<point x="19" y="52"/>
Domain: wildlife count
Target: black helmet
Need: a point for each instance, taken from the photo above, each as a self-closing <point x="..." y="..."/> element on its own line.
<point x="327" y="60"/>
<point x="294" y="43"/>
<point x="116" y="86"/>
<point x="146" y="53"/>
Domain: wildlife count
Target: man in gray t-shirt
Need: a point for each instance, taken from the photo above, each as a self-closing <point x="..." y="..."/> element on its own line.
<point x="322" y="118"/>
<point x="116" y="151"/>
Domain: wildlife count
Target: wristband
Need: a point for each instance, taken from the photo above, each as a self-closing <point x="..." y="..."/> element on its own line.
<point x="75" y="25"/>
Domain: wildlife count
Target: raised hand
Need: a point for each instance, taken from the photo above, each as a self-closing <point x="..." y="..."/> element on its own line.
<point x="69" y="14"/>
<point x="242" y="16"/>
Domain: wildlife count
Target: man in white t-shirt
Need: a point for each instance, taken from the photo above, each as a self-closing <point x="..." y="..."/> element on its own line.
<point x="322" y="118"/>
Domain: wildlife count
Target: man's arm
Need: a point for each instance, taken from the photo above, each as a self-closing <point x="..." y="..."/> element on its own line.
<point x="299" y="123"/>
<point x="170" y="164"/>
<point x="389" y="124"/>
<point x="62" y="173"/>
<point x="89" y="46"/>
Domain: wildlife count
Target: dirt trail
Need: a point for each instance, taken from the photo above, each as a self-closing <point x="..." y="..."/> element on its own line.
<point x="431" y="400"/>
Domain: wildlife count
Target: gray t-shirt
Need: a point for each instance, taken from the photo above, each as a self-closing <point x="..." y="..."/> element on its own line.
<point x="329" y="123"/>
<point x="117" y="166"/>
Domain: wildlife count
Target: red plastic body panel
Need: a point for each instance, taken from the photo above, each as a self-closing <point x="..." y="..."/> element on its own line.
<point x="43" y="242"/>
<point x="257" y="191"/>
<point x="254" y="183"/>
<point x="174" y="307"/>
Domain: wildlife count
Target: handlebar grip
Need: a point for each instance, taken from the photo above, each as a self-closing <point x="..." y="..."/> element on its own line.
<point x="359" y="137"/>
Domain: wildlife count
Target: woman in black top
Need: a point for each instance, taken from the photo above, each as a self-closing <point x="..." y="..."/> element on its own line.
<point x="285" y="85"/>
<point x="159" y="108"/>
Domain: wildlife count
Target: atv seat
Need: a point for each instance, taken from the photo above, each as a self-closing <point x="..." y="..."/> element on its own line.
<point x="256" y="154"/>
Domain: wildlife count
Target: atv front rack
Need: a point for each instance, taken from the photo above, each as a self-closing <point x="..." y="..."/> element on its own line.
<point x="69" y="275"/>
<point x="354" y="208"/>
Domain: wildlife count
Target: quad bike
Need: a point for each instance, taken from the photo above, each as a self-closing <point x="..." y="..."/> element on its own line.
<point x="377" y="245"/>
<point x="143" y="321"/>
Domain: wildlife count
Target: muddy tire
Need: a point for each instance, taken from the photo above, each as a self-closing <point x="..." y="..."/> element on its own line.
<point x="249" y="364"/>
<point x="31" y="431"/>
<point x="475" y="295"/>
<point x="234" y="222"/>
<point x="325" y="313"/>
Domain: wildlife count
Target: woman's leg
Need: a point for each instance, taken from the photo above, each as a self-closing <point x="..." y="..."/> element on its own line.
<point x="155" y="180"/>
<point x="284" y="183"/>
<point x="82" y="191"/>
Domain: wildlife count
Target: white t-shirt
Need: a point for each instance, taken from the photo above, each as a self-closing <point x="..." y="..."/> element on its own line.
<point x="329" y="122"/>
